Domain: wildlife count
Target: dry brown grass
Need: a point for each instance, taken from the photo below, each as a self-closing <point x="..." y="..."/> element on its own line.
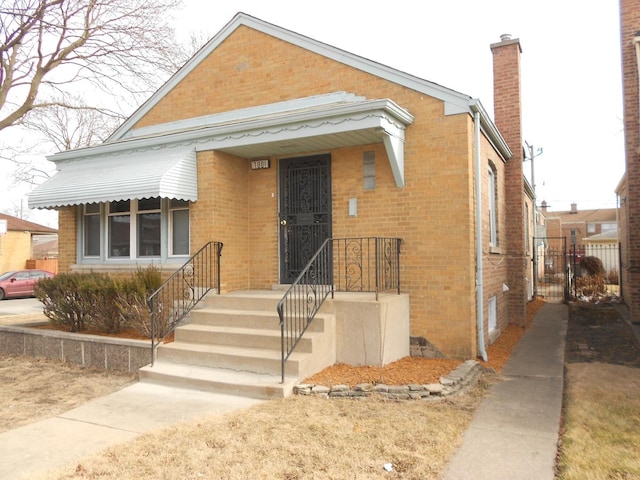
<point x="296" y="438"/>
<point x="299" y="437"/>
<point x="34" y="389"/>
<point x="601" y="438"/>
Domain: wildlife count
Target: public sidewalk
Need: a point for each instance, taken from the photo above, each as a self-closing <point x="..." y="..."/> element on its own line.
<point x="32" y="450"/>
<point x="514" y="432"/>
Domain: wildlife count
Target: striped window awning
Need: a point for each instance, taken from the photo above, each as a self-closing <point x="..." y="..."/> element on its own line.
<point x="166" y="172"/>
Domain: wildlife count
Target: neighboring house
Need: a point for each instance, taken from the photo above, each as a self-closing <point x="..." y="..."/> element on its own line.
<point x="629" y="188"/>
<point x="17" y="246"/>
<point x="575" y="225"/>
<point x="265" y="129"/>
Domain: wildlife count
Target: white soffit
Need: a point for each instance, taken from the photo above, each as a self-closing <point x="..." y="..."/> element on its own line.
<point x="167" y="172"/>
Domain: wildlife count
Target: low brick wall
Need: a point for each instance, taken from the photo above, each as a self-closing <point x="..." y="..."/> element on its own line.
<point x="105" y="353"/>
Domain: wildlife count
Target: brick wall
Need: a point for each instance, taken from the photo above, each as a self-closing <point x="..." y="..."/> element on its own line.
<point x="221" y="214"/>
<point x="433" y="213"/>
<point x="630" y="26"/>
<point x="66" y="239"/>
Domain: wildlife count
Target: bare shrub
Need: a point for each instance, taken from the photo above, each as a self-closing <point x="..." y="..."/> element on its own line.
<point x="592" y="266"/>
<point x="591" y="285"/>
<point x="63" y="303"/>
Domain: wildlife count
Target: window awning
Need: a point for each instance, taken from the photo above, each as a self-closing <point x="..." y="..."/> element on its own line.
<point x="166" y="172"/>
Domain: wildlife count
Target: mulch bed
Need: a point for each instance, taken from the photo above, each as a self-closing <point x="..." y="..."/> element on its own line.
<point x="597" y="333"/>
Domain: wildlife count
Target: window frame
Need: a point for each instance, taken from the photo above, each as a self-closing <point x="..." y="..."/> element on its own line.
<point x="493" y="206"/>
<point x="106" y="213"/>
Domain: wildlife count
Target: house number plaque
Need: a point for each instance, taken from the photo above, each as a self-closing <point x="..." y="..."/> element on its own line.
<point x="259" y="164"/>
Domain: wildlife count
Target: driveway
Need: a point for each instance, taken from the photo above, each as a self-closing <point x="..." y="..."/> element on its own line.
<point x="20" y="310"/>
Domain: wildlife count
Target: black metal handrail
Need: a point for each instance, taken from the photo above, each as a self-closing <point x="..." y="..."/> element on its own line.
<point x="369" y="264"/>
<point x="182" y="291"/>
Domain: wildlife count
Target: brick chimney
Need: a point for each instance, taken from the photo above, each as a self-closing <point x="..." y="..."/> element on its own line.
<point x="507" y="107"/>
<point x="630" y="46"/>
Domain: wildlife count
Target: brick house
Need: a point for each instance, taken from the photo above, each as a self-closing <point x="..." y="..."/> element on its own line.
<point x="213" y="155"/>
<point x="575" y="224"/>
<point x="628" y="190"/>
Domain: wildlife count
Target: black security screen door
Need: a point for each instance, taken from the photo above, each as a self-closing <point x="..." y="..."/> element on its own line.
<point x="305" y="211"/>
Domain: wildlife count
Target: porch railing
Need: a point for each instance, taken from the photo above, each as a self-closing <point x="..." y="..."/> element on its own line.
<point x="182" y="291"/>
<point x="370" y="264"/>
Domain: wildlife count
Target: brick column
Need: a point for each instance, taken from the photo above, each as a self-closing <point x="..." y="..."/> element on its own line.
<point x="630" y="29"/>
<point x="508" y="119"/>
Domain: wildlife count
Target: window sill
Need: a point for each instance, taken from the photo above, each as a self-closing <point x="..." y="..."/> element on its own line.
<point x="495" y="250"/>
<point x="125" y="267"/>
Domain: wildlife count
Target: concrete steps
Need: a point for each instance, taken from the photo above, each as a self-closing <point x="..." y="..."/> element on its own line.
<point x="232" y="345"/>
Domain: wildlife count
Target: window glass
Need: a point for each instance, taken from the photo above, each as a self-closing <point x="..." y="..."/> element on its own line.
<point x="179" y="226"/>
<point x="369" y="166"/>
<point x="149" y="204"/>
<point x="149" y="234"/>
<point x="493" y="217"/>
<point x="92" y="230"/>
<point x="119" y="229"/>
<point x="120" y="206"/>
<point x="92" y="208"/>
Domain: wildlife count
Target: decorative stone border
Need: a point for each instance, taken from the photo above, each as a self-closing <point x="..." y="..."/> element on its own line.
<point x="464" y="375"/>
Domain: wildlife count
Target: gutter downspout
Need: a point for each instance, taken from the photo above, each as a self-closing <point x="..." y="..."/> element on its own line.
<point x="479" y="267"/>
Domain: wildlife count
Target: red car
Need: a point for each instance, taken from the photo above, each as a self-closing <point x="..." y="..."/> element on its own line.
<point x="21" y="283"/>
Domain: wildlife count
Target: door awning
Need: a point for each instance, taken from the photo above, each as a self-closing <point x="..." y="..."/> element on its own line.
<point x="166" y="172"/>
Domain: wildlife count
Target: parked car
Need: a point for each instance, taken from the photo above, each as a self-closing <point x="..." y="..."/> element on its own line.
<point x="21" y="283"/>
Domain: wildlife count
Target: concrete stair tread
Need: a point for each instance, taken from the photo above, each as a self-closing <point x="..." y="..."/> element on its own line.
<point x="244" y="311"/>
<point x="248" y="352"/>
<point x="219" y="374"/>
<point x="256" y="385"/>
<point x="269" y="332"/>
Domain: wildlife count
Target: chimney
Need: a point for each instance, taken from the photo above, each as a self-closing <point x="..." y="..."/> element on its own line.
<point x="574" y="208"/>
<point x="544" y="206"/>
<point x="507" y="108"/>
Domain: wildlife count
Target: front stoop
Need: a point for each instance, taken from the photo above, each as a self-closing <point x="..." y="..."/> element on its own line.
<point x="232" y="345"/>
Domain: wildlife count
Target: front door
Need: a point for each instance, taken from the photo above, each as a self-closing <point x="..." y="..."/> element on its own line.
<point x="305" y="211"/>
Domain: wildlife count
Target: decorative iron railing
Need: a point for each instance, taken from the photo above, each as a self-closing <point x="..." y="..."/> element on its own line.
<point x="370" y="264"/>
<point x="182" y="291"/>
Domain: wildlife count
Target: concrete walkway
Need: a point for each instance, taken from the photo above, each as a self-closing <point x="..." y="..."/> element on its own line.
<point x="514" y="432"/>
<point x="59" y="441"/>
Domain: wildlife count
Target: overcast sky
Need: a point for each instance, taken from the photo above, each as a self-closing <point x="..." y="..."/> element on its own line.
<point x="571" y="74"/>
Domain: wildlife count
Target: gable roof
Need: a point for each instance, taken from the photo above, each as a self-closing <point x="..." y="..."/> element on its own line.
<point x="15" y="224"/>
<point x="455" y="102"/>
<point x="598" y="215"/>
<point x="330" y="120"/>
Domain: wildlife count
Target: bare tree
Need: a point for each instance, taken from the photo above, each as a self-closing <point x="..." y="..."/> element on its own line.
<point x="69" y="123"/>
<point x="51" y="46"/>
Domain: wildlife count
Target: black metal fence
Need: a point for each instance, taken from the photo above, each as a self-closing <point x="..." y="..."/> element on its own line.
<point x="580" y="272"/>
<point x="550" y="268"/>
<point x="177" y="296"/>
<point x="594" y="271"/>
<point x="369" y="264"/>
